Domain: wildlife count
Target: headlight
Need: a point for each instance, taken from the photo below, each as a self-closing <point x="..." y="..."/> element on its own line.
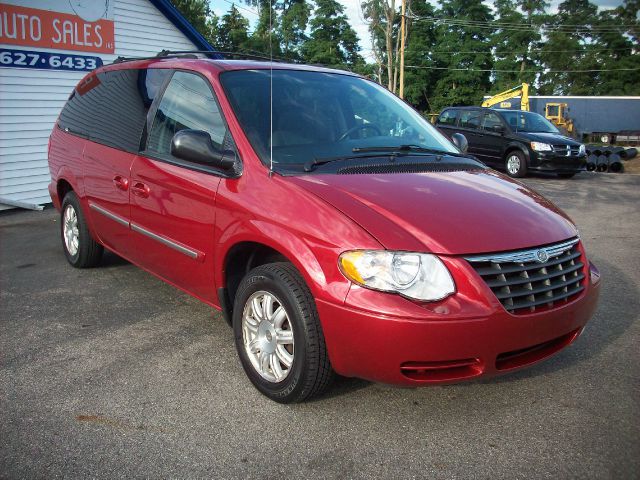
<point x="582" y="150"/>
<point x="541" y="147"/>
<point x="416" y="275"/>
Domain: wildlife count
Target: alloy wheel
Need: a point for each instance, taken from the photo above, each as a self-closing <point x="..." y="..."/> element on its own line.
<point x="513" y="164"/>
<point x="70" y="230"/>
<point x="267" y="336"/>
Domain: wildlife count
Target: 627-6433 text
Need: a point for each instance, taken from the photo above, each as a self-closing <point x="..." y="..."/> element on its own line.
<point x="48" y="60"/>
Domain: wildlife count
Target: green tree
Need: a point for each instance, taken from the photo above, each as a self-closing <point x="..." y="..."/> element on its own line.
<point x="196" y="12"/>
<point x="466" y="78"/>
<point x="332" y="41"/>
<point x="616" y="38"/>
<point x="568" y="47"/>
<point x="516" y="41"/>
<point x="233" y="31"/>
<point x="294" y="17"/>
<point x="419" y="79"/>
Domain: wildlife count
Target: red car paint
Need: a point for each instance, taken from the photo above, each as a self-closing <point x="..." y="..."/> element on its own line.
<point x="311" y="220"/>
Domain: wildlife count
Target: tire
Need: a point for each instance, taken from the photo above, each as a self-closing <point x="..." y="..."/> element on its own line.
<point x="309" y="372"/>
<point x="81" y="250"/>
<point x="566" y="175"/>
<point x="516" y="164"/>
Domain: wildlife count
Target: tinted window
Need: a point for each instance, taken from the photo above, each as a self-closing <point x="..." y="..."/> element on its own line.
<point x="470" y="118"/>
<point x="187" y="103"/>
<point x="491" y="121"/>
<point x="528" y="122"/>
<point x="111" y="107"/>
<point x="448" y="117"/>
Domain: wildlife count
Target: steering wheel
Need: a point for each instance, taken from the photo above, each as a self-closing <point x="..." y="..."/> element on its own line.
<point x="364" y="126"/>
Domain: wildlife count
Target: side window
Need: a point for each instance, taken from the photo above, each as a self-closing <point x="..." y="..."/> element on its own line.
<point x="81" y="109"/>
<point x="187" y="103"/>
<point x="448" y="117"/>
<point x="470" y="119"/>
<point x="491" y="122"/>
<point x="111" y="107"/>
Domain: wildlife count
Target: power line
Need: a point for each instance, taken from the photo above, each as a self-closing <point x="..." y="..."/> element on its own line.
<point x="240" y="7"/>
<point x="563" y="28"/>
<point x="498" y="23"/>
<point x="500" y="52"/>
<point x="426" y="67"/>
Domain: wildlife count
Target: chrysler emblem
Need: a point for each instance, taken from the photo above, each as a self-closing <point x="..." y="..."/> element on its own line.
<point x="542" y="256"/>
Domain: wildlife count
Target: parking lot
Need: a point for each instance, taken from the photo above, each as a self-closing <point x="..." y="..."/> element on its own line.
<point x="109" y="372"/>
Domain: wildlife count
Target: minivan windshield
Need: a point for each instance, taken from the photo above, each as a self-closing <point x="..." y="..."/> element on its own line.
<point x="528" y="122"/>
<point x="320" y="115"/>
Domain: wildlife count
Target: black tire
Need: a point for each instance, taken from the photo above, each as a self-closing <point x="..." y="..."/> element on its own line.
<point x="566" y="175"/>
<point x="89" y="252"/>
<point x="521" y="170"/>
<point x="310" y="373"/>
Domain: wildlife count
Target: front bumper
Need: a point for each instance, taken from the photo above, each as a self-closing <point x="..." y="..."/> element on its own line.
<point x="552" y="162"/>
<point x="450" y="342"/>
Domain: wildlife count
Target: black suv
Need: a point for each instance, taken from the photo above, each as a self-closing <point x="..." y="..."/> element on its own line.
<point x="514" y="140"/>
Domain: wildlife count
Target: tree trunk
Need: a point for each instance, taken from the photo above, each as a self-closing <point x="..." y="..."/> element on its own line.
<point x="390" y="13"/>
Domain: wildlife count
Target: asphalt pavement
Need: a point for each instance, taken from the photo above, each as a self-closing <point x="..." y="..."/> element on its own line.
<point x="110" y="373"/>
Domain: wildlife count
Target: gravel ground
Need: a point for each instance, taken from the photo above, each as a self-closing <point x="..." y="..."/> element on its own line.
<point x="110" y="373"/>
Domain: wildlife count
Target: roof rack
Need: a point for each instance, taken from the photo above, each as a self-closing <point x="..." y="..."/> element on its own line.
<point x="211" y="54"/>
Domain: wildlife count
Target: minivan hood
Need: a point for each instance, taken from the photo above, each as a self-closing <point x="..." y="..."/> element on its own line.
<point x="443" y="212"/>
<point x="552" y="138"/>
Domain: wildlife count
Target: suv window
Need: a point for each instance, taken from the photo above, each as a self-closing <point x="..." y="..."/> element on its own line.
<point x="111" y="107"/>
<point x="491" y="121"/>
<point x="448" y="117"/>
<point x="188" y="102"/>
<point x="470" y="118"/>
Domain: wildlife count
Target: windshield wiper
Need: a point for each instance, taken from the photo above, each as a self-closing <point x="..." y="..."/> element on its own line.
<point x="310" y="164"/>
<point x="407" y="149"/>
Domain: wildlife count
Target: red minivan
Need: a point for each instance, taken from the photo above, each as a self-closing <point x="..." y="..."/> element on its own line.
<point x="335" y="228"/>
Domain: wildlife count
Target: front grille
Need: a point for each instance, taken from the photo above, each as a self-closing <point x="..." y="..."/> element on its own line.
<point x="529" y="280"/>
<point x="567" y="150"/>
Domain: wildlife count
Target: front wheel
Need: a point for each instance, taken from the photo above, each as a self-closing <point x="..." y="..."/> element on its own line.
<point x="278" y="334"/>
<point x="516" y="164"/>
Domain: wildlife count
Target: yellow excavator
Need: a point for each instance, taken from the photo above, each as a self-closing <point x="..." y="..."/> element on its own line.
<point x="501" y="98"/>
<point x="554" y="112"/>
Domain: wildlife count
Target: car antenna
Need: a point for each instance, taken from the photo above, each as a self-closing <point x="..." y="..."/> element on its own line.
<point x="270" y="90"/>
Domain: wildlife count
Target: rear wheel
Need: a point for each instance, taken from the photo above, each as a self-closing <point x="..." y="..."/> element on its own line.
<point x="516" y="164"/>
<point x="278" y="334"/>
<point x="81" y="250"/>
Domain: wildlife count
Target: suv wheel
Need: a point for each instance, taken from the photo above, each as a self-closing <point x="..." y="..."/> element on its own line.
<point x="81" y="250"/>
<point x="516" y="164"/>
<point x="278" y="334"/>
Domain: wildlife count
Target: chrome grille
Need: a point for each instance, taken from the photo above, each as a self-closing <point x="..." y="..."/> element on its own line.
<point x="567" y="150"/>
<point x="528" y="280"/>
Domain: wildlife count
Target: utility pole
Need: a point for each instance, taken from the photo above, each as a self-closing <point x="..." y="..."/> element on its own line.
<point x="402" y="35"/>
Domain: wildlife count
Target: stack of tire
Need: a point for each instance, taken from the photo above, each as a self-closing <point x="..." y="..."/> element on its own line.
<point x="608" y="159"/>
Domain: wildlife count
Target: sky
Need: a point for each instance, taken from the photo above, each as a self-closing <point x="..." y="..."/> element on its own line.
<point x="352" y="9"/>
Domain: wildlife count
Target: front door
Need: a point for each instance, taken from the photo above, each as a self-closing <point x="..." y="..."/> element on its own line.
<point x="469" y="126"/>
<point x="173" y="200"/>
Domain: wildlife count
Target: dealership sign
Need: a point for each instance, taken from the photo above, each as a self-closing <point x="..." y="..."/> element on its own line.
<point x="81" y="25"/>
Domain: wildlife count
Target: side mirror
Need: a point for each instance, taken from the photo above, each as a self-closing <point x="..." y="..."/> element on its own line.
<point x="460" y="141"/>
<point x="196" y="146"/>
<point x="498" y="128"/>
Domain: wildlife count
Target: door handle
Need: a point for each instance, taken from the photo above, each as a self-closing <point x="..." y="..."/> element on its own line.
<point x="140" y="189"/>
<point x="121" y="182"/>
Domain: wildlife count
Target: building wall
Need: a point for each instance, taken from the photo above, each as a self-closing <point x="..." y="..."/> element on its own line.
<point x="30" y="100"/>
